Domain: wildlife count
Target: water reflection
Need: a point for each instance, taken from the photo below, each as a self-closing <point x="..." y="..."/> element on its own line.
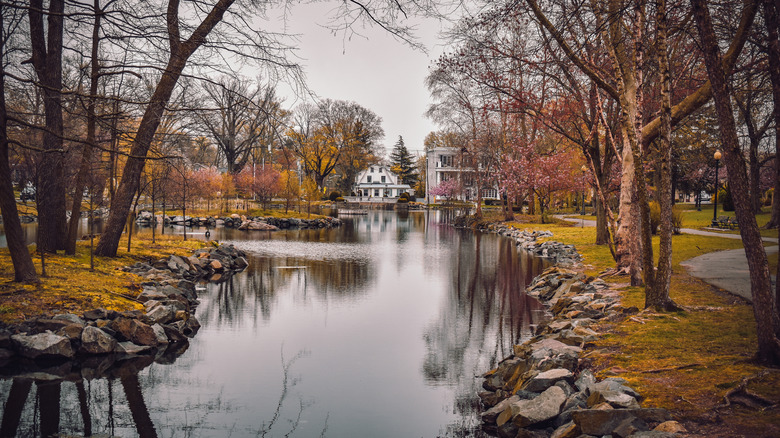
<point x="48" y="398"/>
<point x="377" y="328"/>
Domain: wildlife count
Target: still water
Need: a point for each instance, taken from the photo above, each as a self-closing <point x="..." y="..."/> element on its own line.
<point x="377" y="328"/>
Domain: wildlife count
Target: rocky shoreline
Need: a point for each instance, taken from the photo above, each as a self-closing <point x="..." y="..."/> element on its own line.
<point x="241" y="222"/>
<point x="543" y="389"/>
<point x="169" y="297"/>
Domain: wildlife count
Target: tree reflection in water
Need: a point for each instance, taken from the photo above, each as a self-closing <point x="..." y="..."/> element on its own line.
<point x="485" y="314"/>
<point x="77" y="396"/>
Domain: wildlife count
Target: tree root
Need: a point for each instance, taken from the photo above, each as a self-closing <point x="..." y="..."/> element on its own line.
<point x="743" y="396"/>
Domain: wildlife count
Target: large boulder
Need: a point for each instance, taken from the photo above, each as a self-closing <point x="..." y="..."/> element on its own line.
<point x="525" y="413"/>
<point x="43" y="345"/>
<point x="546" y="379"/>
<point x="96" y="341"/>
<point x="549" y="354"/>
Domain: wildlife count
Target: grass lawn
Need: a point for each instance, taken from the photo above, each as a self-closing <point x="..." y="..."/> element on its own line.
<point x="71" y="287"/>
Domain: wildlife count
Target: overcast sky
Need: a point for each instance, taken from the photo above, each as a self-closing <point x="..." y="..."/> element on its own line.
<point x="376" y="71"/>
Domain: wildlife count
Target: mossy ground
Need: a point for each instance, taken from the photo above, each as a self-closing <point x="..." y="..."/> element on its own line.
<point x="683" y="361"/>
<point x="70" y="287"/>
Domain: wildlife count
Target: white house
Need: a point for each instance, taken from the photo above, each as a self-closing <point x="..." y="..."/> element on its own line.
<point x="445" y="163"/>
<point x="379" y="182"/>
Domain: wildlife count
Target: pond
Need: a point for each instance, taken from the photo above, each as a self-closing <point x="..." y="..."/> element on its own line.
<point x="377" y="328"/>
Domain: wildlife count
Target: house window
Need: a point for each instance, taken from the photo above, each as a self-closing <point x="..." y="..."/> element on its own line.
<point x="380" y="170"/>
<point x="372" y="170"/>
<point x="445" y="160"/>
<point x="384" y="179"/>
<point x="376" y="192"/>
<point x="368" y="178"/>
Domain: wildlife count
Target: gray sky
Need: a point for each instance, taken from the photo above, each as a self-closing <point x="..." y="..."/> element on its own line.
<point x="376" y="71"/>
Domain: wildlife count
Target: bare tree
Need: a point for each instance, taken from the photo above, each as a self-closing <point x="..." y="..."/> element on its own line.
<point x="24" y="269"/>
<point x="764" y="304"/>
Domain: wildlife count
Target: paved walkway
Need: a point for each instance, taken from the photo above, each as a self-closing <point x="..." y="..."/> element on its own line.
<point x="727" y="270"/>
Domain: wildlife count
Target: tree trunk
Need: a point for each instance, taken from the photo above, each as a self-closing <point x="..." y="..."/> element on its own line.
<point x="128" y="186"/>
<point x="772" y="20"/>
<point x="657" y="297"/>
<point x="47" y="62"/>
<point x="86" y="151"/>
<point x="763" y="300"/>
<point x="24" y="268"/>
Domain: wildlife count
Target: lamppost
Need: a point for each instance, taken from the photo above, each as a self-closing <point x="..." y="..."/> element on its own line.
<point x="584" y="169"/>
<point x="715" y="208"/>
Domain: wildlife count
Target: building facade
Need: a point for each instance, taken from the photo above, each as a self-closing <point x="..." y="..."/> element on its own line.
<point x="379" y="182"/>
<point x="451" y="163"/>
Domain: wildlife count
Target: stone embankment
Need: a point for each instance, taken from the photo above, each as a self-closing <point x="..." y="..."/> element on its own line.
<point x="169" y="297"/>
<point x="542" y="389"/>
<point x="240" y="222"/>
<point x="556" y="252"/>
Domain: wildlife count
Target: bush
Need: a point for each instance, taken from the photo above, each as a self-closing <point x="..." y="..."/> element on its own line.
<point x="724" y="198"/>
<point x="677" y="218"/>
<point x="333" y="195"/>
<point x="404" y="195"/>
<point x="340" y="199"/>
<point x="768" y="196"/>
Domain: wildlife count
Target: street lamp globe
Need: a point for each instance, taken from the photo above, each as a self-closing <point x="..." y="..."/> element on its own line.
<point x="717" y="155"/>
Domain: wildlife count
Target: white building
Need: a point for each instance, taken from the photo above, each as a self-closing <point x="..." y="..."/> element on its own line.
<point x="445" y="163"/>
<point x="379" y="182"/>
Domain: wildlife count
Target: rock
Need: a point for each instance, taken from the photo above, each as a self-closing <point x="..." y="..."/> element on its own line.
<point x="177" y="264"/>
<point x="134" y="331"/>
<point x="128" y="347"/>
<point x="550" y="354"/>
<point x="615" y="398"/>
<point x="614" y="384"/>
<point x="173" y="334"/>
<point x="96" y="341"/>
<point x="159" y="331"/>
<point x="629" y="427"/>
<point x="241" y="263"/>
<point x="491" y="415"/>
<point x="546" y="379"/>
<point x="161" y="314"/>
<point x="6" y="353"/>
<point x="70" y="318"/>
<point x="43" y="345"/>
<point x="151" y="293"/>
<point x="191" y="326"/>
<point x="528" y="412"/>
<point x="215" y="265"/>
<point x="670" y="427"/>
<point x="568" y="430"/>
<point x="71" y="331"/>
<point x="604" y="422"/>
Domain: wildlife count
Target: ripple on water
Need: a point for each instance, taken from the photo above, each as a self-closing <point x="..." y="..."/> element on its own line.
<point x="306" y="250"/>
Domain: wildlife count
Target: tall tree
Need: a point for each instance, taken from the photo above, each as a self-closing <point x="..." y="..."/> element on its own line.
<point x="180" y="51"/>
<point x="24" y="270"/>
<point x="241" y="119"/>
<point x="334" y="134"/>
<point x="764" y="304"/>
<point x="47" y="46"/>
<point x="402" y="163"/>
